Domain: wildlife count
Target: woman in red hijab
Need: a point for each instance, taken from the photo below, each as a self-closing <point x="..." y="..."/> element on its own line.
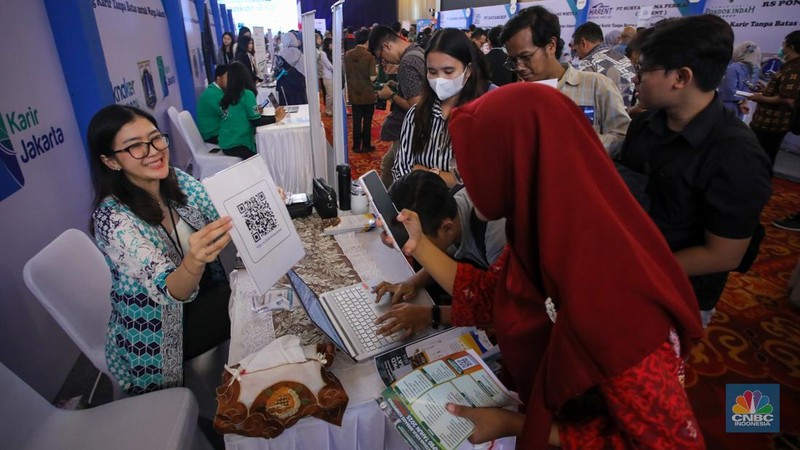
<point x="592" y="312"/>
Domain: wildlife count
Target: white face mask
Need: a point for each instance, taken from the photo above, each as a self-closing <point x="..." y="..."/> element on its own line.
<point x="446" y="88"/>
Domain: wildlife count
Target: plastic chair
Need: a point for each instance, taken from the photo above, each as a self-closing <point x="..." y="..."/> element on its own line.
<point x="207" y="163"/>
<point x="164" y="420"/>
<point x="180" y="153"/>
<point x="78" y="299"/>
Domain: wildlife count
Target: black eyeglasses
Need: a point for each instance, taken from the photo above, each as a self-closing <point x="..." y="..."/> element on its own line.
<point x="512" y="63"/>
<point x="639" y="70"/>
<point x="141" y="150"/>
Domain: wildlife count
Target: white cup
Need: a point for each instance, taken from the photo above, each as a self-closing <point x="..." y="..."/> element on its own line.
<point x="358" y="204"/>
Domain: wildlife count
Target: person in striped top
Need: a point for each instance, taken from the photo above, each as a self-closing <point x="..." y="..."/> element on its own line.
<point x="457" y="74"/>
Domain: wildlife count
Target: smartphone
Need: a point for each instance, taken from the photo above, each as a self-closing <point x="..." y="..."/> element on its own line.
<point x="273" y="100"/>
<point x="383" y="207"/>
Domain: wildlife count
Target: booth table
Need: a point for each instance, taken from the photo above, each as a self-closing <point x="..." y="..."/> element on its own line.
<point x="287" y="149"/>
<point x="330" y="262"/>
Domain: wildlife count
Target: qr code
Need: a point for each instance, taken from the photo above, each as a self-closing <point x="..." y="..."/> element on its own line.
<point x="258" y="216"/>
<point x="465" y="362"/>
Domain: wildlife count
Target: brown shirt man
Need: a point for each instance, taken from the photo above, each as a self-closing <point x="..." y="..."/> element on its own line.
<point x="359" y="66"/>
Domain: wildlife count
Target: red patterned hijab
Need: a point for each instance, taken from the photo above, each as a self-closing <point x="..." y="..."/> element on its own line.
<point x="528" y="154"/>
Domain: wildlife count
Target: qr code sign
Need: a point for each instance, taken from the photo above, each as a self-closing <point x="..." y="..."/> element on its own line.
<point x="465" y="362"/>
<point x="258" y="216"/>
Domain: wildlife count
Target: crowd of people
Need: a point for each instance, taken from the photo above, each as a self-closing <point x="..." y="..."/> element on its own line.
<point x="591" y="224"/>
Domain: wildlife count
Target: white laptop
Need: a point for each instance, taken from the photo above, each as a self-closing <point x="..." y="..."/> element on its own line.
<point x="347" y="315"/>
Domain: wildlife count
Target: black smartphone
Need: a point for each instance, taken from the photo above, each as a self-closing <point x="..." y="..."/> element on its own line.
<point x="272" y="100"/>
<point x="382" y="205"/>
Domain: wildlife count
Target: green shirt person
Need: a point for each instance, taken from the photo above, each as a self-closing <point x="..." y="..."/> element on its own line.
<point x="241" y="114"/>
<point x="209" y="114"/>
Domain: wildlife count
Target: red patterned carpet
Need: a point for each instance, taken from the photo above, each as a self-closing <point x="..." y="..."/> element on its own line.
<point x="361" y="162"/>
<point x="753" y="338"/>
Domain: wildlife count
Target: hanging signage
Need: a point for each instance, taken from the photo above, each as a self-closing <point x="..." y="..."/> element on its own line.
<point x="764" y="22"/>
<point x="143" y="74"/>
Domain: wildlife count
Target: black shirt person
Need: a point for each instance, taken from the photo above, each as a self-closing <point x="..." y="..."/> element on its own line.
<point x="708" y="177"/>
<point x="497" y="57"/>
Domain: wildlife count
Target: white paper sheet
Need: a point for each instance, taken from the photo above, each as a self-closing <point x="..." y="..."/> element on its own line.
<point x="263" y="232"/>
<point x="552" y="82"/>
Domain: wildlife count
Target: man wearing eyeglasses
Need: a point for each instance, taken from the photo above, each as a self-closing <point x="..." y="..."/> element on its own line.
<point x="533" y="42"/>
<point x="386" y="45"/>
<point x="707" y="177"/>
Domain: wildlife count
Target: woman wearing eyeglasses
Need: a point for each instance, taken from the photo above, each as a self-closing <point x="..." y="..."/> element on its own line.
<point x="457" y="73"/>
<point x="161" y="237"/>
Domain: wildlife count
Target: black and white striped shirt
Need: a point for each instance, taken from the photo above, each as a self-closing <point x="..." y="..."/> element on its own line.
<point x="438" y="150"/>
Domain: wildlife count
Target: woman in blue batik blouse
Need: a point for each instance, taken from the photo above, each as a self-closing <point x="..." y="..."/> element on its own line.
<point x="161" y="237"/>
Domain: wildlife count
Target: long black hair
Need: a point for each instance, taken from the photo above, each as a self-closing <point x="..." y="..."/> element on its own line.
<point x="103" y="128"/>
<point x="242" y="44"/>
<point x="239" y="79"/>
<point x="229" y="50"/>
<point x="453" y="43"/>
<point x="327" y="47"/>
<point x="242" y="31"/>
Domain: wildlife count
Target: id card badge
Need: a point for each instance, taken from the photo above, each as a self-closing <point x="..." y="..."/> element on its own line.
<point x="589" y="112"/>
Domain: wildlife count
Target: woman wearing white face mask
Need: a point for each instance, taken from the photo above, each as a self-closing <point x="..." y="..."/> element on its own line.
<point x="457" y="73"/>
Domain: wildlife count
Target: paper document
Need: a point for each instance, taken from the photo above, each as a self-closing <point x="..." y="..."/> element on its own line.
<point x="644" y="15"/>
<point x="401" y="361"/>
<point x="263" y="232"/>
<point x="552" y="82"/>
<point x="416" y="403"/>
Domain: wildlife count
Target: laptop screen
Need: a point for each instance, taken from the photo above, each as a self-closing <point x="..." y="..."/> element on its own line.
<point x="314" y="308"/>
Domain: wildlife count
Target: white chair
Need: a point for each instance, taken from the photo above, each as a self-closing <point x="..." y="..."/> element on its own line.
<point x="206" y="163"/>
<point x="78" y="298"/>
<point x="180" y="153"/>
<point x="159" y="420"/>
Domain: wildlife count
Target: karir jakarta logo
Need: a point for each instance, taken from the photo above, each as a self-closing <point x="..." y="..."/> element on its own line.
<point x="753" y="408"/>
<point x="11" y="179"/>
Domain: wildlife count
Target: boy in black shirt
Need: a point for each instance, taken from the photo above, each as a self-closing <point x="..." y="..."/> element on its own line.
<point x="708" y="176"/>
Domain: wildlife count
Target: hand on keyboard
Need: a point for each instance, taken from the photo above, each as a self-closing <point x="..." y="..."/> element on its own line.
<point x="398" y="292"/>
<point x="404" y="317"/>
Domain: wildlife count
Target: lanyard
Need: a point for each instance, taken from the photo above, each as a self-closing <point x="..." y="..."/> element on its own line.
<point x="175" y="229"/>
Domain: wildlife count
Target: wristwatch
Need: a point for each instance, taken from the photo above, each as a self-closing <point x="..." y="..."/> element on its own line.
<point x="391" y="97"/>
<point x="436" y="317"/>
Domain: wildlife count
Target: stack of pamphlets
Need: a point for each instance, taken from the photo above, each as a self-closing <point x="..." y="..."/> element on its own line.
<point x="416" y="403"/>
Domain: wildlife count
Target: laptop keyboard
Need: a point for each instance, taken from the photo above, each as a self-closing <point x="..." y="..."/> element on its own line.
<point x="354" y="303"/>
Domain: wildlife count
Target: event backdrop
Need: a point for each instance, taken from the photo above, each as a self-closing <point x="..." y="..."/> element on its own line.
<point x="763" y="22"/>
<point x="616" y="14"/>
<point x="194" y="40"/>
<point x="490" y="16"/>
<point x="570" y="15"/>
<point x="457" y="18"/>
<point x="142" y="70"/>
<point x="44" y="189"/>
